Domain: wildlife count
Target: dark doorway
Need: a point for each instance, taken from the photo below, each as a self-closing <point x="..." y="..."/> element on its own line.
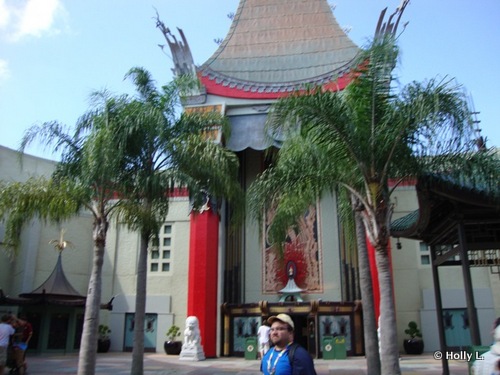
<point x="58" y="331"/>
<point x="78" y="331"/>
<point x="301" y="335"/>
<point x="35" y="320"/>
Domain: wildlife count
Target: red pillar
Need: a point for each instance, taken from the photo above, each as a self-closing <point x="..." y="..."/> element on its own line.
<point x="374" y="273"/>
<point x="375" y="284"/>
<point x="202" y="280"/>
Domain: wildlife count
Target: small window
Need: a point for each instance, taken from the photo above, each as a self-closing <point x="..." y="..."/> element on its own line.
<point x="161" y="250"/>
<point x="424" y="254"/>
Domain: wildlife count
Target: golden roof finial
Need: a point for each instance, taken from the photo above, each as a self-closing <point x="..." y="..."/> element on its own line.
<point x="61" y="244"/>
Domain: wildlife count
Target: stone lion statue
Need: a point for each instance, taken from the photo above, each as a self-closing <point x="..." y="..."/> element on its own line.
<point x="192" y="336"/>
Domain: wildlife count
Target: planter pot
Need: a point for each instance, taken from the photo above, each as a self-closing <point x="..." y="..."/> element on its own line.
<point x="173" y="347"/>
<point x="103" y="346"/>
<point x="413" y="346"/>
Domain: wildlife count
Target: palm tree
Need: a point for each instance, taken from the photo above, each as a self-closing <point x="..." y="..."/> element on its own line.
<point x="354" y="238"/>
<point x="360" y="138"/>
<point x="372" y="349"/>
<point x="86" y="178"/>
<point x="165" y="151"/>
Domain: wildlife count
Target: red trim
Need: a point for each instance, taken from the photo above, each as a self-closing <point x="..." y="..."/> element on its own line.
<point x="214" y="88"/>
<point x="202" y="278"/>
<point x="179" y="192"/>
<point x="405" y="182"/>
<point x="176" y="193"/>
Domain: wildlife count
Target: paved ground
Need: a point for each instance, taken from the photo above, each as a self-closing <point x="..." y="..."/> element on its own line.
<point x="161" y="364"/>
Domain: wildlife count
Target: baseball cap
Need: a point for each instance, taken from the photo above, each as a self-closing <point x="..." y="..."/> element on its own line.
<point x="284" y="318"/>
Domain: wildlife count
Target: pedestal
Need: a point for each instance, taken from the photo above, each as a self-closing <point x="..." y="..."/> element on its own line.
<point x="192" y="354"/>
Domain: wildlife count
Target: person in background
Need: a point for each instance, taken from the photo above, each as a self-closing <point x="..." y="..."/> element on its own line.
<point x="489" y="364"/>
<point x="22" y="337"/>
<point x="6" y="331"/>
<point x="263" y="335"/>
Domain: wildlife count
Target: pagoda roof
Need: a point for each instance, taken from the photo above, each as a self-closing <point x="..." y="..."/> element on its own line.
<point x="56" y="286"/>
<point x="56" y="290"/>
<point x="277" y="46"/>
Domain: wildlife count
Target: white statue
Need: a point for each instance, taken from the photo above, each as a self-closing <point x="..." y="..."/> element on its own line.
<point x="191" y="348"/>
<point x="192" y="333"/>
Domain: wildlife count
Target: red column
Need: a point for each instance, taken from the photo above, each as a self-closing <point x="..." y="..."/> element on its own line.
<point x="375" y="284"/>
<point x="202" y="280"/>
<point x="374" y="273"/>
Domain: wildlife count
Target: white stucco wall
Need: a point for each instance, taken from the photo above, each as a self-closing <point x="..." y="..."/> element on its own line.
<point x="166" y="291"/>
<point x="36" y="258"/>
<point x="11" y="170"/>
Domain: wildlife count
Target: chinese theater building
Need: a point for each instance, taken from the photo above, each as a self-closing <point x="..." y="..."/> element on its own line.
<point x="272" y="49"/>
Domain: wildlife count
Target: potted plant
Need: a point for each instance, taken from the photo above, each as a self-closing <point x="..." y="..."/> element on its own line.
<point x="415" y="344"/>
<point x="173" y="346"/>
<point x="103" y="340"/>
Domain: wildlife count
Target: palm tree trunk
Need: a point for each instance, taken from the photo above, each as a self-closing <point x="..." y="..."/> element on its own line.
<point x="366" y="288"/>
<point x="88" y="345"/>
<point x="388" y="330"/>
<point x="140" y="308"/>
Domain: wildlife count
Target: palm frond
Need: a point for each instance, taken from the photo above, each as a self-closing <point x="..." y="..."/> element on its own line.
<point x="39" y="198"/>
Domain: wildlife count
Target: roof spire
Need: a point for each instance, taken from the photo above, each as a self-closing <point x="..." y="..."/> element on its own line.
<point x="390" y="27"/>
<point x="61" y="244"/>
<point x="181" y="53"/>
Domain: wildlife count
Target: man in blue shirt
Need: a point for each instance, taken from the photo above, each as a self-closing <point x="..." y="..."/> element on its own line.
<point x="285" y="357"/>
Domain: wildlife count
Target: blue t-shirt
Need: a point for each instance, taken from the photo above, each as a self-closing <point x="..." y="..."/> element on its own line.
<point x="302" y="362"/>
<point x="277" y="361"/>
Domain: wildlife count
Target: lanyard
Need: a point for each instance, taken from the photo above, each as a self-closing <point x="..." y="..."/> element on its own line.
<point x="272" y="369"/>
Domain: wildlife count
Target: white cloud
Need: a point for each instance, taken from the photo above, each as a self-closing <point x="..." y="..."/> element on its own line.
<point x="4" y="14"/>
<point x="4" y="71"/>
<point x="30" y="17"/>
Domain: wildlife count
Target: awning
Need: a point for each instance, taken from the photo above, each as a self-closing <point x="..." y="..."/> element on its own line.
<point x="249" y="131"/>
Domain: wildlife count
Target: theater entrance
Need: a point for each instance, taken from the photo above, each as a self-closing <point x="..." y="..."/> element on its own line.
<point x="305" y="333"/>
<point x="313" y="321"/>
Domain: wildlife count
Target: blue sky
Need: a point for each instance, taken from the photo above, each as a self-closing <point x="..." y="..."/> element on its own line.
<point x="54" y="53"/>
